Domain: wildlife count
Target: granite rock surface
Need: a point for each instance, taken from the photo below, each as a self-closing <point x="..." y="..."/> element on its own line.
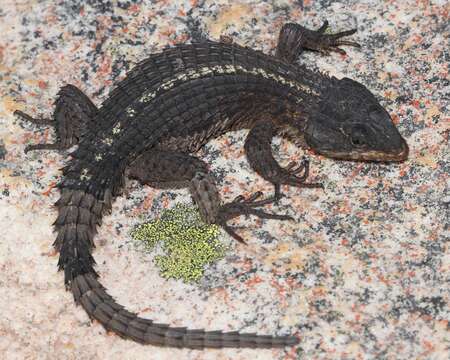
<point x="363" y="272"/>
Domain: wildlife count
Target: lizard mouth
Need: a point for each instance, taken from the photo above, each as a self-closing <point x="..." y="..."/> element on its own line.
<point x="371" y="155"/>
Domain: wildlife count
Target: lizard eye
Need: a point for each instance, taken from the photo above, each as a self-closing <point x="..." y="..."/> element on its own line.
<point x="358" y="137"/>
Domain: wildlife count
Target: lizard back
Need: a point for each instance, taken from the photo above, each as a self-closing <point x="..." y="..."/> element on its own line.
<point x="179" y="99"/>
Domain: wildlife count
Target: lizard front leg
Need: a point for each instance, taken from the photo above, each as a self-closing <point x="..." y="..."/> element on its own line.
<point x="165" y="169"/>
<point x="294" y="38"/>
<point x="259" y="154"/>
<point x="72" y="115"/>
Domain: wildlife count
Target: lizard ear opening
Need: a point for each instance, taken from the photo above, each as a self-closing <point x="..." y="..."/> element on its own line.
<point x="359" y="135"/>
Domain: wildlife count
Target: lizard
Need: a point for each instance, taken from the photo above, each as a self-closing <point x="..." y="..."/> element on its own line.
<point x="166" y="108"/>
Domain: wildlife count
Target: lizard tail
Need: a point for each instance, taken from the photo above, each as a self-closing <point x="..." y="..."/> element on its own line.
<point x="79" y="215"/>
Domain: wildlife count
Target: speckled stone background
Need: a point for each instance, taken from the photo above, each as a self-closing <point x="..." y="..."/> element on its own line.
<point x="363" y="273"/>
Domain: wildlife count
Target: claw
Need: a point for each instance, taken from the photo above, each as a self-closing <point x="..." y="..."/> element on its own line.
<point x="233" y="234"/>
<point x="278" y="195"/>
<point x="254" y="196"/>
<point x="238" y="199"/>
<point x="25" y="116"/>
<point x="267" y="201"/>
<point x="264" y="215"/>
<point x="323" y="28"/>
<point x="338" y="50"/>
<point x="348" y="43"/>
<point x="343" y="33"/>
<point x="242" y="200"/>
<point x="250" y="201"/>
<point x="291" y="165"/>
<point x="309" y="185"/>
<point x="42" y="147"/>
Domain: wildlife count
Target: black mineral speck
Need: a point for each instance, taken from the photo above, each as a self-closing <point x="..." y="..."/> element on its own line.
<point x="123" y="4"/>
<point x="2" y="150"/>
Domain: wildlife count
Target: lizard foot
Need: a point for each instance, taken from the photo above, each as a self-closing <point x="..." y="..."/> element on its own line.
<point x="331" y="42"/>
<point x="291" y="177"/>
<point x="246" y="206"/>
<point x="38" y="121"/>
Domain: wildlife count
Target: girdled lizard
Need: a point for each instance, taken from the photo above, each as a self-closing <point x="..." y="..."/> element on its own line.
<point x="169" y="106"/>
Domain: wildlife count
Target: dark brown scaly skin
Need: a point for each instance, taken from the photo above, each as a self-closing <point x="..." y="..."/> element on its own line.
<point x="170" y="105"/>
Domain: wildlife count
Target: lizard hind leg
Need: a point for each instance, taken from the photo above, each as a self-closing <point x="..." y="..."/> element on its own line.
<point x="165" y="169"/>
<point x="72" y="116"/>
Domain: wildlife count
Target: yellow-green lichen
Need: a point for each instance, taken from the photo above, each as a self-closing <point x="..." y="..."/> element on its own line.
<point x="189" y="244"/>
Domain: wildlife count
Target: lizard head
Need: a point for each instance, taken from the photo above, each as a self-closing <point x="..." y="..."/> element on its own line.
<point x="350" y="124"/>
